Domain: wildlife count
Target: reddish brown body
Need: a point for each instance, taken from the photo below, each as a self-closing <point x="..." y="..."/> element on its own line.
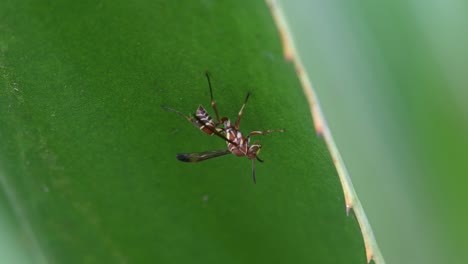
<point x="237" y="143"/>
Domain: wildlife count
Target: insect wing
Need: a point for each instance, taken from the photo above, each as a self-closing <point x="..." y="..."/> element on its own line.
<point x="201" y="156"/>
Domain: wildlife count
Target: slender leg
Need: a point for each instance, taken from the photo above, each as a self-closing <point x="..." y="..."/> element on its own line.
<point x="239" y="116"/>
<point x="253" y="133"/>
<point x="191" y="120"/>
<point x="253" y="171"/>
<point x="213" y="103"/>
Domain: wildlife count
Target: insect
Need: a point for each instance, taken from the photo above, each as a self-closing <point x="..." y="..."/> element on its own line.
<point x="237" y="143"/>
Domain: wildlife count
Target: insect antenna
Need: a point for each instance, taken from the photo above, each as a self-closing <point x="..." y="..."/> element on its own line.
<point x="253" y="171"/>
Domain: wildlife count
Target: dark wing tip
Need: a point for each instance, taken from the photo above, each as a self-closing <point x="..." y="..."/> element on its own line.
<point x="183" y="157"/>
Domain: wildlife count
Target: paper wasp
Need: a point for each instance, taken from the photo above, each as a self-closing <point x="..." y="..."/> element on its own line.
<point x="237" y="143"/>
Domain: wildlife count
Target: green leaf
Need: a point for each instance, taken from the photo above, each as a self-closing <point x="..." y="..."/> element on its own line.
<point x="87" y="162"/>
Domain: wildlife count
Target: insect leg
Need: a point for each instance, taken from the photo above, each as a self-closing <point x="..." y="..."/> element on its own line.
<point x="191" y="120"/>
<point x="239" y="116"/>
<point x="253" y="133"/>
<point x="213" y="103"/>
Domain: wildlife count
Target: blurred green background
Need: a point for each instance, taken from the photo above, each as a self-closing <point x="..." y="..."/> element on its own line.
<point x="87" y="157"/>
<point x="392" y="79"/>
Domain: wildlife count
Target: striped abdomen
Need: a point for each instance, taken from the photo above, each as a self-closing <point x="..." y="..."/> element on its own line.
<point x="205" y="121"/>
